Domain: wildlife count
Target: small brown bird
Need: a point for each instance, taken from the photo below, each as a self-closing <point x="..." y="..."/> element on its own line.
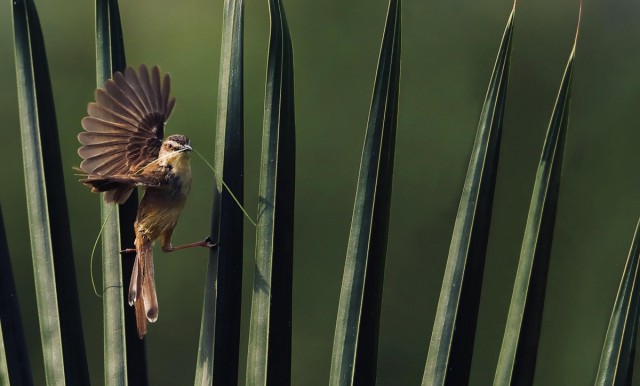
<point x="122" y="149"/>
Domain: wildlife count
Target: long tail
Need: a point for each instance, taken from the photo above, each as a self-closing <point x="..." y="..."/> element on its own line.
<point x="142" y="289"/>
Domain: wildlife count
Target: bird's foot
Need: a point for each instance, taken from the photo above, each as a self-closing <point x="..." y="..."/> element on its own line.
<point x="128" y="250"/>
<point x="208" y="243"/>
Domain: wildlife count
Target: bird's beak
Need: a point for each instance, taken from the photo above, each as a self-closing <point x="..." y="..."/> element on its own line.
<point x="187" y="148"/>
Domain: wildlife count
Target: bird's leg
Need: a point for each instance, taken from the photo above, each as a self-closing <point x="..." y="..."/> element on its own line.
<point x="167" y="247"/>
<point x="134" y="249"/>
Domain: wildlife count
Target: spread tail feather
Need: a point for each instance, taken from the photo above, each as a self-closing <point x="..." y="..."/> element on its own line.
<point x="142" y="290"/>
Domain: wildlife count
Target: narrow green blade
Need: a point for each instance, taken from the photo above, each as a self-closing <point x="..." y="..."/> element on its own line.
<point x="218" y="352"/>
<point x="270" y="364"/>
<point x="14" y="359"/>
<point x="449" y="358"/>
<point x="110" y="58"/>
<point x="616" y="362"/>
<point x="517" y="359"/>
<point x="4" y="367"/>
<point x="55" y="281"/>
<point x="136" y="354"/>
<point x="355" y="342"/>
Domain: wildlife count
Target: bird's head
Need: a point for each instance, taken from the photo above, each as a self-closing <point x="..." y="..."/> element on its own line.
<point x="175" y="148"/>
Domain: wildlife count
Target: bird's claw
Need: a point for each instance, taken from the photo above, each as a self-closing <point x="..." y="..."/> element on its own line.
<point x="208" y="243"/>
<point x="128" y="250"/>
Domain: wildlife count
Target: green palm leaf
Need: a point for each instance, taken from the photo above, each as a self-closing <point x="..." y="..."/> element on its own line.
<point x="60" y="324"/>
<point x="56" y="289"/>
<point x="110" y="53"/>
<point x="520" y="343"/>
<point x="14" y="359"/>
<point x="218" y="351"/>
<point x="449" y="357"/>
<point x="270" y="364"/>
<point x="110" y="58"/>
<point x="356" y="337"/>
<point x="616" y="362"/>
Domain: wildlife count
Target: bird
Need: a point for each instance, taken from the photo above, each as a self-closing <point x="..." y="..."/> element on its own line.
<point x="122" y="148"/>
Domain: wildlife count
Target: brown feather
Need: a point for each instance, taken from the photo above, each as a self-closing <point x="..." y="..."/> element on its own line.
<point x="97" y="126"/>
<point x="145" y="82"/>
<point x="108" y="102"/>
<point x="92" y="150"/>
<point x="118" y="190"/>
<point x="149" y="291"/>
<point x="166" y="90"/>
<point x="133" y="284"/>
<point x="142" y="289"/>
<point x="103" y="164"/>
<point x="124" y="127"/>
<point x="118" y="196"/>
<point x="100" y="112"/>
<point x="119" y="96"/>
<point x="157" y="90"/>
<point x="92" y="138"/>
<point x="170" y="105"/>
<point x="141" y="320"/>
<point x="103" y="183"/>
<point x="122" y="83"/>
<point x="113" y="150"/>
<point x="134" y="81"/>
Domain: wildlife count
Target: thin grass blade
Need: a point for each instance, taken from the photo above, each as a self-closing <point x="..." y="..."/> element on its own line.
<point x="449" y="357"/>
<point x="270" y="364"/>
<point x="110" y="58"/>
<point x="218" y="351"/>
<point x="14" y="359"/>
<point x="517" y="360"/>
<point x="616" y="362"/>
<point x="56" y="288"/>
<point x="355" y="343"/>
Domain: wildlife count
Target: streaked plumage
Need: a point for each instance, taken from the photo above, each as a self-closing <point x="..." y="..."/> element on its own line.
<point x="122" y="148"/>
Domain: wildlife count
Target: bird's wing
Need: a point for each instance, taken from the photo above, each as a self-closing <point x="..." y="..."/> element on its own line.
<point x="118" y="187"/>
<point x="124" y="128"/>
<point x="114" y="182"/>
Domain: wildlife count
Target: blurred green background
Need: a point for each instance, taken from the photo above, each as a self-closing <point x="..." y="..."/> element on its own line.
<point x="448" y="51"/>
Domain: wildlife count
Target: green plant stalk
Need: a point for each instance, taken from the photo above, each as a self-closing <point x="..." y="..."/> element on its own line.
<point x="270" y="364"/>
<point x="355" y="343"/>
<point x="136" y="353"/>
<point x="218" y="350"/>
<point x="616" y="361"/>
<point x="518" y="353"/>
<point x="14" y="359"/>
<point x="115" y="356"/>
<point x="38" y="214"/>
<point x="56" y="289"/>
<point x="449" y="357"/>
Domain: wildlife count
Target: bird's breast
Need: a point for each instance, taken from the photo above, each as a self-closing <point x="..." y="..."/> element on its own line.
<point x="160" y="208"/>
<point x="180" y="178"/>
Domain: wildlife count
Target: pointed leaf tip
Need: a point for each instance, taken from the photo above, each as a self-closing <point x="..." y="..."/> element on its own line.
<point x="575" y="41"/>
<point x="451" y="346"/>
